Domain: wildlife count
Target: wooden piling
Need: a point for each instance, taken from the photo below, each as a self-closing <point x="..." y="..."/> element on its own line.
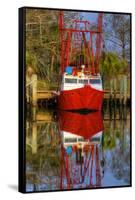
<point x="118" y="92"/>
<point x="34" y="112"/>
<point x="34" y="89"/>
<point x="34" y="138"/>
<point x="121" y="91"/>
<point x="125" y="89"/>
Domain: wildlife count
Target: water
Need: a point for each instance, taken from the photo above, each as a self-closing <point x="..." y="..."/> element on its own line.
<point x="67" y="150"/>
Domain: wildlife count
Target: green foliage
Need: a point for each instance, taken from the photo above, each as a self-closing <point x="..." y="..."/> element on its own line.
<point x="31" y="61"/>
<point x="111" y="65"/>
<point x="109" y="140"/>
<point x="118" y="135"/>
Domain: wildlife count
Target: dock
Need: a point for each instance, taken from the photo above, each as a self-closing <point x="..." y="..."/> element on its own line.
<point x="34" y="95"/>
<point x="117" y="96"/>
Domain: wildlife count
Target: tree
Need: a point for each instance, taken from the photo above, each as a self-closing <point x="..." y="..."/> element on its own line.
<point x="116" y="29"/>
<point x="111" y="66"/>
<point x="42" y="44"/>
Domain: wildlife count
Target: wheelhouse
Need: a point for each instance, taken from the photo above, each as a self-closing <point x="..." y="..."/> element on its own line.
<point x="73" y="82"/>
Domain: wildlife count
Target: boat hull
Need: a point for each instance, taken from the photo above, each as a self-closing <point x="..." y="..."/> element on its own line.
<point x="81" y="98"/>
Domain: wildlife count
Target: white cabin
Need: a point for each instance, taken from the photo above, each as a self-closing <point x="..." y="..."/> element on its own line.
<point x="73" y="139"/>
<point x="70" y="82"/>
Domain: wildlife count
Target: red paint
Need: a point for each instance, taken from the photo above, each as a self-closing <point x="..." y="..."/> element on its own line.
<point x="80" y="98"/>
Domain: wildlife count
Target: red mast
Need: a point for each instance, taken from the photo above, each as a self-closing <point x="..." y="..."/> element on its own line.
<point x="80" y="39"/>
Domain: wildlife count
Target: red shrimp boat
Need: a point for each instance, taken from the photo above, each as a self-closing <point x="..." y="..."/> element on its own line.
<point x="81" y="82"/>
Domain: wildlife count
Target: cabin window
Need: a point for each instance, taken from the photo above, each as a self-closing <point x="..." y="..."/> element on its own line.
<point x="80" y="139"/>
<point x="95" y="140"/>
<point x="94" y="81"/>
<point x="68" y="140"/>
<point x="84" y="81"/>
<point x="70" y="80"/>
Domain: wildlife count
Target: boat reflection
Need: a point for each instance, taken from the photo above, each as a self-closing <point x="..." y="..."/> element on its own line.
<point x="67" y="150"/>
<point x="81" y="149"/>
<point x="84" y="125"/>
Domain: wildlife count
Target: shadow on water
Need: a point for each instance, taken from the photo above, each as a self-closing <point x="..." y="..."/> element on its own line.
<point x="82" y="111"/>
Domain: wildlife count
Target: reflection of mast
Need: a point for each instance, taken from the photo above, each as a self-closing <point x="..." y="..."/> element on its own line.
<point x="80" y="156"/>
<point x="83" y="174"/>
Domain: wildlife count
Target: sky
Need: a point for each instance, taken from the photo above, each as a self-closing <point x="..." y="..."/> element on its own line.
<point x="90" y="16"/>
